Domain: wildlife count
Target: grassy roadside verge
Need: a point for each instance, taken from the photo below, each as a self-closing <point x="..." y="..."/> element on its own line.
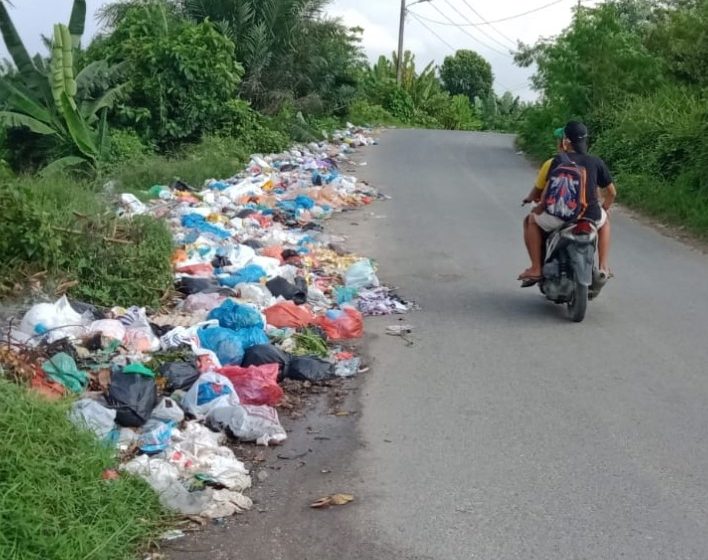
<point x="53" y="500"/>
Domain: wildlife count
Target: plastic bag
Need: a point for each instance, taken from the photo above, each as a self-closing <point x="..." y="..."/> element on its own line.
<point x="296" y="292"/>
<point x="62" y="369"/>
<point x="250" y="273"/>
<point x="347" y="368"/>
<point x="249" y="423"/>
<point x="287" y="314"/>
<point x="131" y="205"/>
<point x="232" y="315"/>
<point x="93" y="415"/>
<point x="343" y="324"/>
<point x="180" y="375"/>
<point x="255" y="293"/>
<point x="44" y="317"/>
<point x="202" y="302"/>
<point x="133" y="396"/>
<point x="138" y="333"/>
<point x="361" y="275"/>
<point x="167" y="410"/>
<point x="225" y="343"/>
<point x="110" y="328"/>
<point x="251" y="336"/>
<point x="164" y="479"/>
<point x="345" y="294"/>
<point x="255" y="384"/>
<point x="266" y="354"/>
<point x="209" y="392"/>
<point x="155" y="436"/>
<point x="308" y="368"/>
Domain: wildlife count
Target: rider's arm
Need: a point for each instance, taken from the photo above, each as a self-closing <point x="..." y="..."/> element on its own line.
<point x="610" y="193"/>
<point x="540" y="184"/>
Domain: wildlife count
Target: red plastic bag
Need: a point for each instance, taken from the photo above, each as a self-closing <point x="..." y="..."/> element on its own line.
<point x="201" y="269"/>
<point x="257" y="385"/>
<point x="287" y="314"/>
<point x="349" y="324"/>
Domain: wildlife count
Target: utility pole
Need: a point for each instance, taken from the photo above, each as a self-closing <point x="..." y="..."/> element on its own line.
<point x="401" y="27"/>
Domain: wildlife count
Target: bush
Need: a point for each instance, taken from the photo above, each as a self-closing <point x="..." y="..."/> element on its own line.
<point x="460" y="115"/>
<point x="53" y="500"/>
<point x="198" y="73"/>
<point x="63" y="227"/>
<point x="400" y="104"/>
<point x="362" y="112"/>
<point x="126" y="147"/>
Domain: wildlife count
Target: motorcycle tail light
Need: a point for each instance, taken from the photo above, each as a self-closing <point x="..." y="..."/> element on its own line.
<point x="582" y="228"/>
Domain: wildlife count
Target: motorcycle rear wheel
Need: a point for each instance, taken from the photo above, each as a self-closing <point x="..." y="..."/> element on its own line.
<point x="579" y="304"/>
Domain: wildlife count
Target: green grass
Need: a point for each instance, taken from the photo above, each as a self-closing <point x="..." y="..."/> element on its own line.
<point x="40" y="232"/>
<point x="53" y="501"/>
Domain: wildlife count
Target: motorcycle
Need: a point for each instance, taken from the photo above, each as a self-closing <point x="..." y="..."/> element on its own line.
<point x="570" y="275"/>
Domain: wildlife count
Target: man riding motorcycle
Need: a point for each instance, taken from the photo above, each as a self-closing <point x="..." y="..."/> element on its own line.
<point x="573" y="150"/>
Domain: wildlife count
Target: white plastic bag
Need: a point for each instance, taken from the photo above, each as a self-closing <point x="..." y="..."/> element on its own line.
<point x="111" y="328"/>
<point x="255" y="293"/>
<point x="361" y="275"/>
<point x="249" y="423"/>
<point x="92" y="415"/>
<point x="44" y="317"/>
<point x="210" y="391"/>
<point x="167" y="410"/>
<point x="131" y="205"/>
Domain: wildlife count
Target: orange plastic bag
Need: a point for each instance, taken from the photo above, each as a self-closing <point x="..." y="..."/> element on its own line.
<point x="273" y="251"/>
<point x="201" y="269"/>
<point x="257" y="385"/>
<point x="287" y="314"/>
<point x="342" y="325"/>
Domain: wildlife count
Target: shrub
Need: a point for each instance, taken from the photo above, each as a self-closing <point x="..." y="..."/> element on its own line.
<point x="362" y="112"/>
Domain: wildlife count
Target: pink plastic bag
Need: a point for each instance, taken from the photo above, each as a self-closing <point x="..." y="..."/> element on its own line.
<point x="342" y="325"/>
<point x="256" y="385"/>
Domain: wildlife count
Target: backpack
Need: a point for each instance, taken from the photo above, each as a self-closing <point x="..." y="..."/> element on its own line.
<point x="566" y="190"/>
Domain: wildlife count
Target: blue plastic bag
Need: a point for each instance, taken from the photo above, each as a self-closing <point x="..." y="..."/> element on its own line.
<point x="198" y="222"/>
<point x="232" y="315"/>
<point x="345" y="294"/>
<point x="303" y="201"/>
<point x="207" y="392"/>
<point x="249" y="274"/>
<point x="251" y="336"/>
<point x="225" y="343"/>
<point x="155" y="436"/>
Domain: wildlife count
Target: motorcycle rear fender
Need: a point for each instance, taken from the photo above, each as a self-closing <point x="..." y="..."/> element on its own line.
<point x="582" y="259"/>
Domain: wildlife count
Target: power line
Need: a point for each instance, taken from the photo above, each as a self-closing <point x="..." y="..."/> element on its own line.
<point x="420" y="21"/>
<point x="443" y="14"/>
<point x="480" y="30"/>
<point x="480" y="16"/>
<point x="508" y="18"/>
<point x="448" y="45"/>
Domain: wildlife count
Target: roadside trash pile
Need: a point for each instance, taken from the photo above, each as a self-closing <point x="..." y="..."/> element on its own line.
<point x="265" y="295"/>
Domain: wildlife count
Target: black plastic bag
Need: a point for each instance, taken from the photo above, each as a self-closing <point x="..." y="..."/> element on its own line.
<point x="189" y="285"/>
<point x="253" y="243"/>
<point x="220" y="261"/>
<point x="280" y="287"/>
<point x="180" y="375"/>
<point x="309" y="368"/>
<point x="267" y="354"/>
<point x="133" y="396"/>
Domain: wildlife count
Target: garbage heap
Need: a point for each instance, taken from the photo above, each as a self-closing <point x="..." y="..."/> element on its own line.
<point x="264" y="295"/>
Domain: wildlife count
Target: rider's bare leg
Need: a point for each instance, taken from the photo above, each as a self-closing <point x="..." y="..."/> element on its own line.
<point x="533" y="237"/>
<point x="603" y="246"/>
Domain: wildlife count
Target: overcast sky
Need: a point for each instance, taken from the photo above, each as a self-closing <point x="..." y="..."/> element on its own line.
<point x="379" y="18"/>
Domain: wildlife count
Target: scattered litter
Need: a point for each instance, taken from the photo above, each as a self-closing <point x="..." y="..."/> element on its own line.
<point x="333" y="500"/>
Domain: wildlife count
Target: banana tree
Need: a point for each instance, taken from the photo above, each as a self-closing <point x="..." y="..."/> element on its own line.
<point x="43" y="99"/>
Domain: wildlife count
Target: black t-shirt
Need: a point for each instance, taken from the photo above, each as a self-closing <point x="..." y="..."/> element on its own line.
<point x="597" y="176"/>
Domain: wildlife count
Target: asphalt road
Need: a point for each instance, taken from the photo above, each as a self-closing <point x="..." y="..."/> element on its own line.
<point x="506" y="432"/>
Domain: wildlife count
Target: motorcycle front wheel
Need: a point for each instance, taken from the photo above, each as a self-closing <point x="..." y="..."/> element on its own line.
<point x="579" y="304"/>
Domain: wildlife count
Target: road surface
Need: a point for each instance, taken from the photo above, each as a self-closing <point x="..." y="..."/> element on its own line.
<point x="506" y="432"/>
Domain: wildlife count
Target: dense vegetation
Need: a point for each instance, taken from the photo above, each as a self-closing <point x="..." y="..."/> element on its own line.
<point x="636" y="72"/>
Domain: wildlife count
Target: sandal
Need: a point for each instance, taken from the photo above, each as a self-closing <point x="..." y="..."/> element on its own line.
<point x="530" y="281"/>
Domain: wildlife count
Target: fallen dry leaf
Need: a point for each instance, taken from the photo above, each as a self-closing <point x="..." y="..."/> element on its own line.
<point x="333" y="500"/>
